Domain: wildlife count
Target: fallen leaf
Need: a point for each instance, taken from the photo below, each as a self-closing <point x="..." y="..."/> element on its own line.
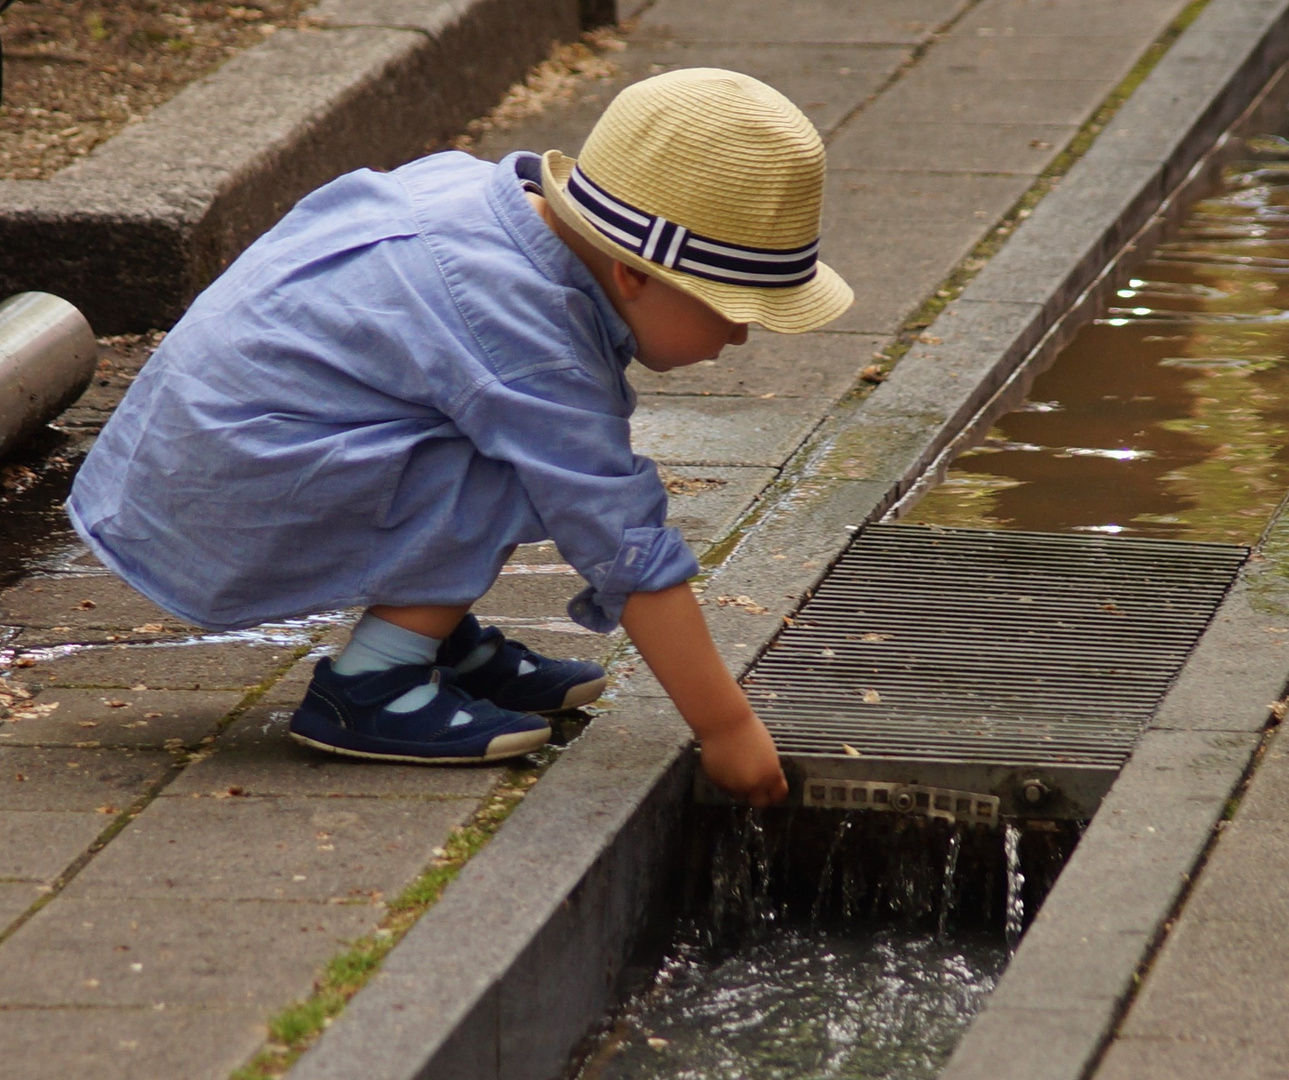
<point x="850" y="750"/>
<point x="873" y="373"/>
<point x="875" y="637"/>
<point x="115" y="704"/>
<point x="87" y="605"/>
<point x="872" y="697"/>
<point x="105" y="809"/>
<point x="656" y="1043"/>
<point x="745" y="602"/>
<point x="87" y="723"/>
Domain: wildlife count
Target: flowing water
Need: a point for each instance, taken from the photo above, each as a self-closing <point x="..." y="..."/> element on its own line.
<point x="810" y="1002"/>
<point x="820" y="945"/>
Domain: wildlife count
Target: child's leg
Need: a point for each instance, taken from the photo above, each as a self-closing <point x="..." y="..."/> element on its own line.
<point x="383" y="697"/>
<point x="388" y="637"/>
<point x="486" y="664"/>
<point x="433" y="621"/>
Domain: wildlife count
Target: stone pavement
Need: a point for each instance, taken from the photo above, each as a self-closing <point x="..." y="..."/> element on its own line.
<point x="172" y="869"/>
<point x="1212" y="1002"/>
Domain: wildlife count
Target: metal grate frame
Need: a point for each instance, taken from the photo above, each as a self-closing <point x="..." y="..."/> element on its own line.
<point x="1017" y="665"/>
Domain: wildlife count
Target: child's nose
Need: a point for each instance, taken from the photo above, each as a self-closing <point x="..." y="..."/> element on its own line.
<point x="739" y="334"/>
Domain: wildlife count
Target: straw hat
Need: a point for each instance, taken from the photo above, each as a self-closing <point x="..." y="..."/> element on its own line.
<point x="712" y="182"/>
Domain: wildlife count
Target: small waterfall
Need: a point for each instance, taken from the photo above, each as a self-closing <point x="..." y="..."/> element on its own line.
<point x="948" y="895"/>
<point x="765" y="869"/>
<point x="1014" y="919"/>
<point x="825" y="878"/>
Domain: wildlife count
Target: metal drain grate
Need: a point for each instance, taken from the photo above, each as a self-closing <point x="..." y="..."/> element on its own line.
<point x="1019" y="666"/>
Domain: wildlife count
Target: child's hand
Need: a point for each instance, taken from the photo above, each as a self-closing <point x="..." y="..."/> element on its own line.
<point x="738" y="753"/>
<point x="743" y="761"/>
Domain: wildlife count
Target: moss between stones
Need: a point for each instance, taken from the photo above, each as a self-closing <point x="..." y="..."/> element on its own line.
<point x="297" y="1027"/>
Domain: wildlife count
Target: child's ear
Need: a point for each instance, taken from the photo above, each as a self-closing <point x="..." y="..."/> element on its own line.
<point x="628" y="280"/>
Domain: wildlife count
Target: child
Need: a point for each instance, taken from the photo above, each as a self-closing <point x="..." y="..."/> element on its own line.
<point x="414" y="372"/>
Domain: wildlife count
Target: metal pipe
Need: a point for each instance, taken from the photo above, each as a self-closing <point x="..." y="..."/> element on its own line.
<point x="47" y="357"/>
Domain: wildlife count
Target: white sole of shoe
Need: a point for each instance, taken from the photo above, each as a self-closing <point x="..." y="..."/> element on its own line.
<point x="578" y="696"/>
<point x="503" y="746"/>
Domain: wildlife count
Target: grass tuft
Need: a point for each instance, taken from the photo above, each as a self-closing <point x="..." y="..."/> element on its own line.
<point x="293" y="1030"/>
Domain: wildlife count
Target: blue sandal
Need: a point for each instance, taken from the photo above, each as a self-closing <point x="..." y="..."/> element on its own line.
<point x="346" y="714"/>
<point x="515" y="677"/>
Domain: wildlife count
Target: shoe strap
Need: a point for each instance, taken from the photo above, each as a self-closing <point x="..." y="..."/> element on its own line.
<point x="382" y="687"/>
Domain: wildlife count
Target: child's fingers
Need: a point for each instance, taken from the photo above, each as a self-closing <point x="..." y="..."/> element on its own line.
<point x="770" y="794"/>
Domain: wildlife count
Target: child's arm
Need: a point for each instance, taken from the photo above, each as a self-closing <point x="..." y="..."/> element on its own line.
<point x="738" y="754"/>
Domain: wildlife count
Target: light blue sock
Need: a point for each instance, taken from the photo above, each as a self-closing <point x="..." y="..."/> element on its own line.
<point x="377" y="645"/>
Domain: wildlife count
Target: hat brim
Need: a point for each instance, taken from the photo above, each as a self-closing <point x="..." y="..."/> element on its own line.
<point x="793" y="310"/>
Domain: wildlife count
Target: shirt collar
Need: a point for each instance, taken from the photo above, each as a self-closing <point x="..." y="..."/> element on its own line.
<point x="547" y="251"/>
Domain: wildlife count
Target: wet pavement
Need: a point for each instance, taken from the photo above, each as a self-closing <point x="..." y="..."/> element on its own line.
<point x="173" y="871"/>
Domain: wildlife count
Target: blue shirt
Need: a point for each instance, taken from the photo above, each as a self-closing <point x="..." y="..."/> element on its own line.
<point x="406" y="377"/>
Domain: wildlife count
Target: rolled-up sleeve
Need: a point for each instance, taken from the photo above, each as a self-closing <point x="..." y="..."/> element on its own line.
<point x="603" y="505"/>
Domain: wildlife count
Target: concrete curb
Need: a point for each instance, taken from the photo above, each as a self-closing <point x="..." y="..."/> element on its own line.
<point x="517" y="979"/>
<point x="134" y="231"/>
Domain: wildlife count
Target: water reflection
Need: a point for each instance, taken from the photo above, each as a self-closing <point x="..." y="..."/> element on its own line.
<point x="1168" y="417"/>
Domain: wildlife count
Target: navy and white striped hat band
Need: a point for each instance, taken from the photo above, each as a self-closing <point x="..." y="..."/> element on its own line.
<point x="673" y="246"/>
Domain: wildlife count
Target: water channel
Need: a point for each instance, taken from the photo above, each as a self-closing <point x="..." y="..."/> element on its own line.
<point x="866" y="953"/>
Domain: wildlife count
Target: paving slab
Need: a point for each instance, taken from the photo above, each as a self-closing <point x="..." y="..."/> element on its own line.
<point x="707" y="501"/>
<point x="722" y="431"/>
<point x="816" y="365"/>
<point x="128" y="1044"/>
<point x="40" y="778"/>
<point x="81" y="602"/>
<point x="1241" y="880"/>
<point x="530" y="596"/>
<point x="889" y="290"/>
<point x="15" y="898"/>
<point x="1240" y="669"/>
<point x="150" y="953"/>
<point x="971" y="97"/>
<point x="39" y="845"/>
<point x="258" y="757"/>
<point x="872" y="141"/>
<point x="142" y="718"/>
<point x="861" y="22"/>
<point x="1265" y="800"/>
<point x="1199" y="987"/>
<point x="1045" y="55"/>
<point x="1138" y="1058"/>
<point x="827" y="82"/>
<point x="1141" y="20"/>
<point x="189" y="665"/>
<point x="252" y="848"/>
